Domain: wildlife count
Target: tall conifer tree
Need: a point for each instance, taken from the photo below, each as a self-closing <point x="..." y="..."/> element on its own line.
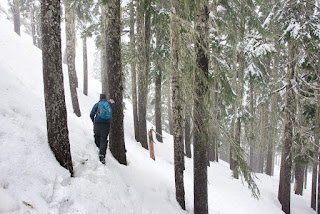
<point x="200" y="104"/>
<point x="114" y="70"/>
<point x="57" y="127"/>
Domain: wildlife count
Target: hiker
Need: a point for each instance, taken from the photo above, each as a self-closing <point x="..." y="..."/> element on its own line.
<point x="101" y="118"/>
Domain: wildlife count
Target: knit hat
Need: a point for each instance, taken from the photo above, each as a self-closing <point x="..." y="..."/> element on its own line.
<point x="103" y="96"/>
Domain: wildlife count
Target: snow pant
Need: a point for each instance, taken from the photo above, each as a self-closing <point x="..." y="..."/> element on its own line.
<point x="101" y="132"/>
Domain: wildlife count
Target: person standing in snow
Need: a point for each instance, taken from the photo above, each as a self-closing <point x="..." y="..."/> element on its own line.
<point x="101" y="118"/>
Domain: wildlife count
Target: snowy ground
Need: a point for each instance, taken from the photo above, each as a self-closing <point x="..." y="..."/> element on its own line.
<point x="31" y="180"/>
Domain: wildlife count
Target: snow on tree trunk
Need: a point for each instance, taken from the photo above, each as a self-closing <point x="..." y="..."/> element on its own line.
<point x="134" y="73"/>
<point x="57" y="127"/>
<point x="177" y="104"/>
<point x="114" y="70"/>
<point x="70" y="41"/>
<point x="200" y="105"/>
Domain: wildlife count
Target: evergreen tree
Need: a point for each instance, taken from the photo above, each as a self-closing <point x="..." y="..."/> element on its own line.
<point x="133" y="72"/>
<point x="115" y="78"/>
<point x="57" y="127"/>
<point x="16" y="16"/>
<point x="200" y="105"/>
<point x="70" y="41"/>
<point x="142" y="74"/>
<point x="177" y="104"/>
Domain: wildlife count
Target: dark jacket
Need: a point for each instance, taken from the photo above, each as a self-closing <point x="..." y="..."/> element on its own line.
<point x="95" y="118"/>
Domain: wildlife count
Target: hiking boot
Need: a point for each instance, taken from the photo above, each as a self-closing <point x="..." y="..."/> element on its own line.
<point x="102" y="159"/>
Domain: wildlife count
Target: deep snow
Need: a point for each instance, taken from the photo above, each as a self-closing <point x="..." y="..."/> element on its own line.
<point x="32" y="181"/>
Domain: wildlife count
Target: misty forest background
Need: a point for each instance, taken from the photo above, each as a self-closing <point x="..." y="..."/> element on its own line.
<point x="233" y="80"/>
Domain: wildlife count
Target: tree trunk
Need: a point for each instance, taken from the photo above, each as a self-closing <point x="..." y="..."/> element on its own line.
<point x="273" y="122"/>
<point x="133" y="73"/>
<point x="233" y="110"/>
<point x="177" y="105"/>
<point x="231" y="146"/>
<point x="187" y="131"/>
<point x="38" y="29"/>
<point x="237" y="141"/>
<point x="285" y="170"/>
<point x="57" y="126"/>
<point x="114" y="70"/>
<point x="70" y="41"/>
<point x="16" y="16"/>
<point x="251" y="135"/>
<point x="305" y="176"/>
<point x="314" y="175"/>
<point x="147" y="36"/>
<point x="33" y="25"/>
<point x="142" y="75"/>
<point x="240" y="88"/>
<point x="85" y="66"/>
<point x="157" y="105"/>
<point x="104" y="70"/>
<point x="315" y="156"/>
<point x="299" y="174"/>
<point x="170" y="118"/>
<point x="264" y="135"/>
<point x="200" y="105"/>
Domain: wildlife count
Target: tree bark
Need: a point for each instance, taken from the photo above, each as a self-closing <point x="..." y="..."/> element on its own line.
<point x="285" y="170"/>
<point x="85" y="66"/>
<point x="305" y="176"/>
<point x="315" y="157"/>
<point x="114" y="69"/>
<point x="240" y="88"/>
<point x="16" y="16"/>
<point x="134" y="74"/>
<point x="299" y="175"/>
<point x="142" y="75"/>
<point x="187" y="131"/>
<point x="200" y="113"/>
<point x="157" y="105"/>
<point x="177" y="104"/>
<point x="33" y="25"/>
<point x="104" y="70"/>
<point x="170" y="118"/>
<point x="251" y="135"/>
<point x="273" y="123"/>
<point x="233" y="110"/>
<point x="70" y="41"/>
<point x="147" y="36"/>
<point x="57" y="126"/>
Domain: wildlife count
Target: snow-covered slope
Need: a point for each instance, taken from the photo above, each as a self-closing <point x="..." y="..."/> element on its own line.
<point x="31" y="180"/>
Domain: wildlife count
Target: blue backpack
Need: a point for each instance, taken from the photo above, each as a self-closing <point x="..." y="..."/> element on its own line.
<point x="104" y="110"/>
